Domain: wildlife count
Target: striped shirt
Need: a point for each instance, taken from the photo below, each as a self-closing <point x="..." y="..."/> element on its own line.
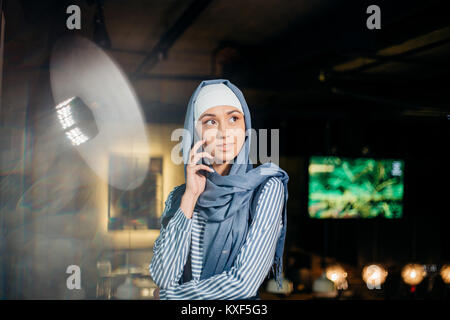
<point x="183" y="236"/>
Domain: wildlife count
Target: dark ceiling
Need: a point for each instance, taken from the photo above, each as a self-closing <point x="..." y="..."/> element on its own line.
<point x="305" y="57"/>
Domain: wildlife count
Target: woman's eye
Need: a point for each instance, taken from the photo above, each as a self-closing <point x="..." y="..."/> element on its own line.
<point x="210" y="122"/>
<point x="233" y="119"/>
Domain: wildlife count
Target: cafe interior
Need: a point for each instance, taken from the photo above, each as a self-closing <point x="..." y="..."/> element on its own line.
<point x="360" y="107"/>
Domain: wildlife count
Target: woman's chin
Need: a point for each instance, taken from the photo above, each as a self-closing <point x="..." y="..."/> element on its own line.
<point x="224" y="158"/>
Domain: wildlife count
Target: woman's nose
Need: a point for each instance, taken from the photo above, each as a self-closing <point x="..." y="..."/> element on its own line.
<point x="219" y="134"/>
<point x="222" y="130"/>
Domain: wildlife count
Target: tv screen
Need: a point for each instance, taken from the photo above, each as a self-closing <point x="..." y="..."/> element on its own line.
<point x="355" y="187"/>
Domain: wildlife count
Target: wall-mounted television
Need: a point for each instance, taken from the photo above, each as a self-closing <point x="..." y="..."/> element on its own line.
<point x="342" y="187"/>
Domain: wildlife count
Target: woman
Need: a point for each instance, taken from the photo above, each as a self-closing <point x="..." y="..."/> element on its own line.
<point x="225" y="227"/>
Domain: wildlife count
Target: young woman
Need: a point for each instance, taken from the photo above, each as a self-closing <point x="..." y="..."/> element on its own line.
<point x="223" y="229"/>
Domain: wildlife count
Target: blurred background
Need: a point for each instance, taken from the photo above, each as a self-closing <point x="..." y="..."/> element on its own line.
<point x="364" y="136"/>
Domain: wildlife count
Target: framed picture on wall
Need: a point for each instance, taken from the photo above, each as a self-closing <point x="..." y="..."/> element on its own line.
<point x="137" y="209"/>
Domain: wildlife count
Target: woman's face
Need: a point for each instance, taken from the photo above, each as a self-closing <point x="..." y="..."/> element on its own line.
<point x="223" y="128"/>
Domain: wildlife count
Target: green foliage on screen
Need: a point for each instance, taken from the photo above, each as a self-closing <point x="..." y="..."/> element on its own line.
<point x="355" y="187"/>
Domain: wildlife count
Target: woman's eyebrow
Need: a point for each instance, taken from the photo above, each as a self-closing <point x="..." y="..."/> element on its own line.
<point x="207" y="115"/>
<point x="230" y="112"/>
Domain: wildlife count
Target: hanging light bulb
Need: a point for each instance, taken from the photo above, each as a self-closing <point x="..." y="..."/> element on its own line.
<point x="338" y="275"/>
<point x="374" y="276"/>
<point x="413" y="274"/>
<point x="445" y="273"/>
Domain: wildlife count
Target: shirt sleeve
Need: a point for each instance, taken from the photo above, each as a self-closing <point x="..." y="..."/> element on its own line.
<point x="171" y="248"/>
<point x="253" y="261"/>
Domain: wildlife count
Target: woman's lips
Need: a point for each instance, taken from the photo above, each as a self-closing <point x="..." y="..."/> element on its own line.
<point x="225" y="146"/>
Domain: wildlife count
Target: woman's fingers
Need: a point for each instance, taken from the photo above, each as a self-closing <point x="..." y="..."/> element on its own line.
<point x="198" y="167"/>
<point x="200" y="155"/>
<point x="203" y="167"/>
<point x="195" y="147"/>
<point x="194" y="157"/>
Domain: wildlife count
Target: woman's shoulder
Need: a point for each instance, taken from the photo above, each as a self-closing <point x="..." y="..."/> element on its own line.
<point x="175" y="193"/>
<point x="172" y="204"/>
<point x="272" y="170"/>
<point x="272" y="184"/>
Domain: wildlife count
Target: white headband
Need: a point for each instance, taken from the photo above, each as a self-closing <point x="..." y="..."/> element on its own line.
<point x="215" y="95"/>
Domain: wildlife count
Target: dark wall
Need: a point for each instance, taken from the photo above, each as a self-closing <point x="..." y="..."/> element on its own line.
<point x="421" y="235"/>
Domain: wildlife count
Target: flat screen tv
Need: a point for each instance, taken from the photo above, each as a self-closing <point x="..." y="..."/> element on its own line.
<point x="355" y="187"/>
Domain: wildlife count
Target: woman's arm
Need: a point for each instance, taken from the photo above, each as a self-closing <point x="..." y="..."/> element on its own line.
<point x="253" y="261"/>
<point x="171" y="248"/>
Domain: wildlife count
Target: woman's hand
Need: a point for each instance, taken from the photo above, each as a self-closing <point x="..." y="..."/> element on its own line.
<point x="195" y="181"/>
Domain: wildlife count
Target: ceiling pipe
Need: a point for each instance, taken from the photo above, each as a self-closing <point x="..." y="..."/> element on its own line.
<point x="160" y="50"/>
